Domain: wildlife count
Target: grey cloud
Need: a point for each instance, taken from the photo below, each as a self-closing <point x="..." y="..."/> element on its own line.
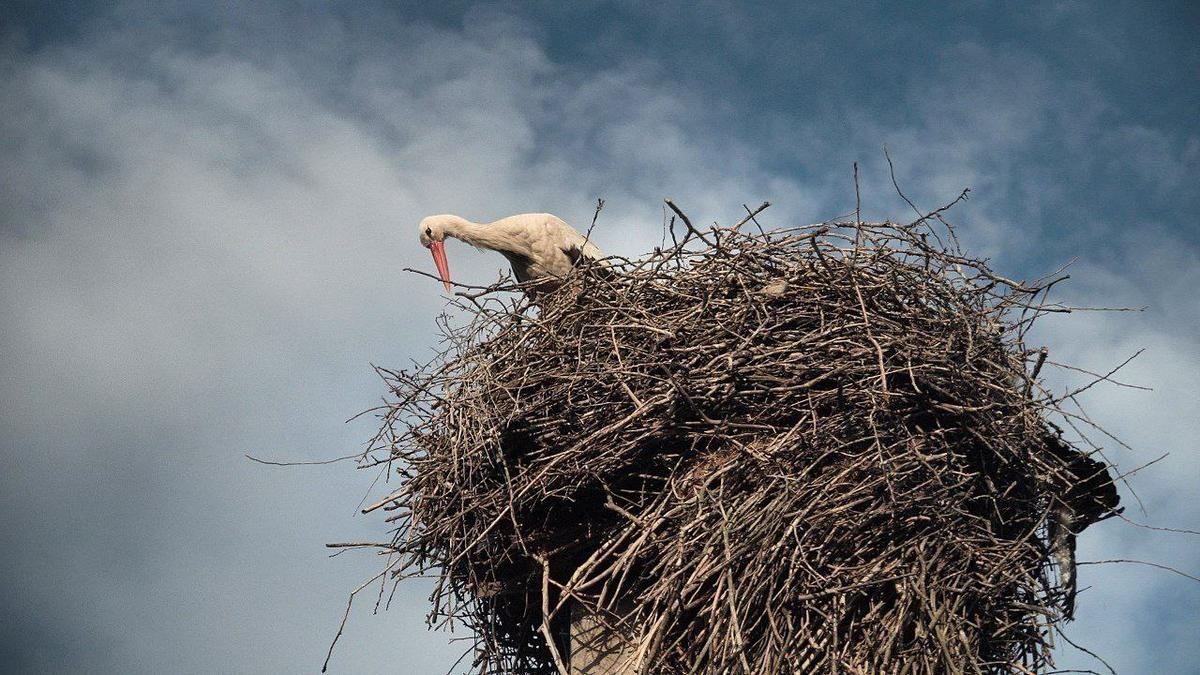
<point x="200" y="250"/>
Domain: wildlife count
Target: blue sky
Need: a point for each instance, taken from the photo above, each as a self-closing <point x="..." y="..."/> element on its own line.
<point x="204" y="214"/>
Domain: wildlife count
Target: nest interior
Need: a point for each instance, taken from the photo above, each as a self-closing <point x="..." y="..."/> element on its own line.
<point x="814" y="449"/>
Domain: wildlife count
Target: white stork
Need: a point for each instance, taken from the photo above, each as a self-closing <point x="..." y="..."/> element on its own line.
<point x="539" y="246"/>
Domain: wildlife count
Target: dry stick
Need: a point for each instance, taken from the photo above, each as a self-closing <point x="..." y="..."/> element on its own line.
<point x="687" y="222"/>
<point x="545" y="627"/>
<point x="488" y="289"/>
<point x="1037" y="368"/>
<point x="892" y="173"/>
<point x="346" y="616"/>
<point x="1109" y="380"/>
<point x="561" y="457"/>
<point x="936" y="213"/>
<point x="308" y="463"/>
<point x="595" y="216"/>
<point x="1102" y="378"/>
<point x="384" y="502"/>
<point x="1137" y="469"/>
<point x="921" y="218"/>
<point x="1085" y="650"/>
<point x="362" y="544"/>
<point x="1135" y="523"/>
<point x="752" y="216"/>
<point x="1168" y="568"/>
<point x="857" y="209"/>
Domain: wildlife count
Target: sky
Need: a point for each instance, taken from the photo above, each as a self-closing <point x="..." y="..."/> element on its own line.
<point x="205" y="214"/>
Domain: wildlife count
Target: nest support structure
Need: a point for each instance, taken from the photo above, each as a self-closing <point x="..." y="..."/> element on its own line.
<point x="818" y="449"/>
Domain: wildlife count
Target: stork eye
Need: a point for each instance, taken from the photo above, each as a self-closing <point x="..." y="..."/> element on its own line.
<point x="429" y="232"/>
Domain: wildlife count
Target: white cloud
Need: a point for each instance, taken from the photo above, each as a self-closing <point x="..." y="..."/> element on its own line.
<point x="201" y="255"/>
<point x="1135" y="616"/>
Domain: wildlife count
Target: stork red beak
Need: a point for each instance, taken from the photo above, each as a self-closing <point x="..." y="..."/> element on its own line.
<point x="438" y="249"/>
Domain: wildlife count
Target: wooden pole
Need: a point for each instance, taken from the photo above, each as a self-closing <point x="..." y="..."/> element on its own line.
<point x="597" y="648"/>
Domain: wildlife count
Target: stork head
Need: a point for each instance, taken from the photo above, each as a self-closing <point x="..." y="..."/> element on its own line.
<point x="432" y="232"/>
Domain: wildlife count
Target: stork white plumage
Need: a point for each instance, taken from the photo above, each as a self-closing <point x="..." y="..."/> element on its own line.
<point x="539" y="246"/>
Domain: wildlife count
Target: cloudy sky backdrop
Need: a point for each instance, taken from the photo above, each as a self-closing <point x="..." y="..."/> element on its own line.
<point x="204" y="213"/>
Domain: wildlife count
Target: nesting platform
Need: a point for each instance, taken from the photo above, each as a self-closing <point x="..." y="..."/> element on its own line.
<point x="814" y="449"/>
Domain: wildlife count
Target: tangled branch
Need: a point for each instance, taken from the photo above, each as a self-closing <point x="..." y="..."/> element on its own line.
<point x="803" y="450"/>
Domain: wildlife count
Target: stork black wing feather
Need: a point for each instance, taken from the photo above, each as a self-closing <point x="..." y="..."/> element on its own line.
<point x="1092" y="495"/>
<point x="575" y="255"/>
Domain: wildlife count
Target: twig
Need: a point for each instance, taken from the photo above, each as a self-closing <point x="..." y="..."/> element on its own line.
<point x="687" y="222"/>
<point x="305" y="463"/>
<point x="751" y="216"/>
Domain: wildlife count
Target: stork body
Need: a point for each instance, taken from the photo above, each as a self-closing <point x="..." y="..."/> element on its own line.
<point x="539" y="246"/>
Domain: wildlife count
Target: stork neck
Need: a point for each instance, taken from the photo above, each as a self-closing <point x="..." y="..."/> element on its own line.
<point x="479" y="235"/>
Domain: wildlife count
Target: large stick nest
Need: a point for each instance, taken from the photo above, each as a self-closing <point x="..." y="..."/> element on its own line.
<point x="816" y="449"/>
